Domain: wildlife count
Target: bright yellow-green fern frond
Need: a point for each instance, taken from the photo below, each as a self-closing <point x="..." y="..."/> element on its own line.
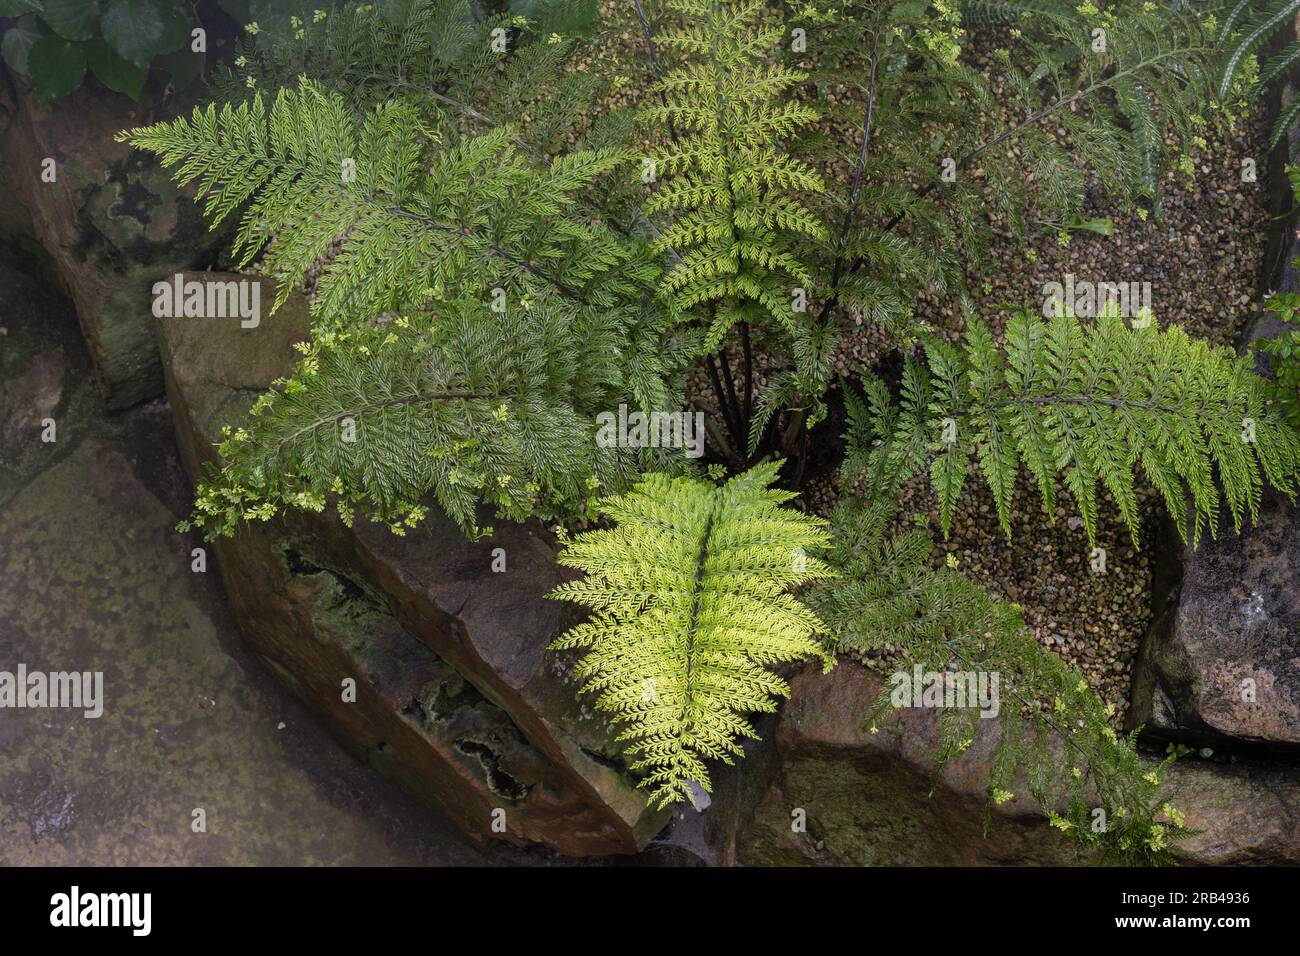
<point x="689" y="593"/>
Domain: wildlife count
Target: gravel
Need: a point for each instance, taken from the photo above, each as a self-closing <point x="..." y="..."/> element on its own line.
<point x="1203" y="264"/>
<point x="1203" y="267"/>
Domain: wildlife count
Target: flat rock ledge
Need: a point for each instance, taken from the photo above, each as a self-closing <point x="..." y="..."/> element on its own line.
<point x="873" y="799"/>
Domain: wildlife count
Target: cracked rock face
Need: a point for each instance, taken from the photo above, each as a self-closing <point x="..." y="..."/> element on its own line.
<point x="455" y="693"/>
<point x="108" y="221"/>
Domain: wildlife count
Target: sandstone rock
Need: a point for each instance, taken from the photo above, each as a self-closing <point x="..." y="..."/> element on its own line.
<point x="1222" y="666"/>
<point x="456" y="695"/>
<point x="1220" y="663"/>
<point x="111" y="223"/>
<point x="874" y="800"/>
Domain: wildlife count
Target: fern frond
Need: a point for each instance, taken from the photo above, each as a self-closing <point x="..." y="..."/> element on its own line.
<point x="1056" y="732"/>
<point x="485" y="65"/>
<point x="464" y="403"/>
<point x="1253" y="38"/>
<point x="413" y="220"/>
<point x="1010" y="11"/>
<point x="735" y="192"/>
<point x="689" y="594"/>
<point x="1092" y="403"/>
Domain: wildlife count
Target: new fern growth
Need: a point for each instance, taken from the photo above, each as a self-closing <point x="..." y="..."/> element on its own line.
<point x="690" y="602"/>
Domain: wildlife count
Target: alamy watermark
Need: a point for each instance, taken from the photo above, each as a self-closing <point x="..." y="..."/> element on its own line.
<point x="75" y="690"/>
<point x="75" y="908"/>
<point x="1086" y="299"/>
<point x="176" y="298"/>
<point x="684" y="430"/>
<point x="922" y="688"/>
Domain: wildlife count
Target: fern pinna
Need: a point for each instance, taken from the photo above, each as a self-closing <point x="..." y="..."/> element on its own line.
<point x="690" y="604"/>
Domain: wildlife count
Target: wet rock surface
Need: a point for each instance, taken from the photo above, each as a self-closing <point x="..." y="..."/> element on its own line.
<point x="1222" y="666"/>
<point x="832" y="794"/>
<point x="94" y="577"/>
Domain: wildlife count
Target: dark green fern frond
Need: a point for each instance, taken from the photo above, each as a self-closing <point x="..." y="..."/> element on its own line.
<point x="984" y="12"/>
<point x="1249" y="61"/>
<point x="689" y="594"/>
<point x="483" y="69"/>
<point x="1246" y="31"/>
<point x="465" y="403"/>
<point x="1056" y="734"/>
<point x="1089" y="403"/>
<point x="412" y="219"/>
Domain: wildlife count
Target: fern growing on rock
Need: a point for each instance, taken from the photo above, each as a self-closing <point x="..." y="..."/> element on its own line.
<point x="460" y="402"/>
<point x="690" y="605"/>
<point x="1055" y="735"/>
<point x="507" y="230"/>
<point x="417" y="226"/>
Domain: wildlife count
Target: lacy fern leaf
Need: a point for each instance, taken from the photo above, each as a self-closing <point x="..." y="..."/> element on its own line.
<point x="733" y="192"/>
<point x="413" y="219"/>
<point x="689" y="594"/>
<point x="464" y="403"/>
<point x="1089" y="403"/>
